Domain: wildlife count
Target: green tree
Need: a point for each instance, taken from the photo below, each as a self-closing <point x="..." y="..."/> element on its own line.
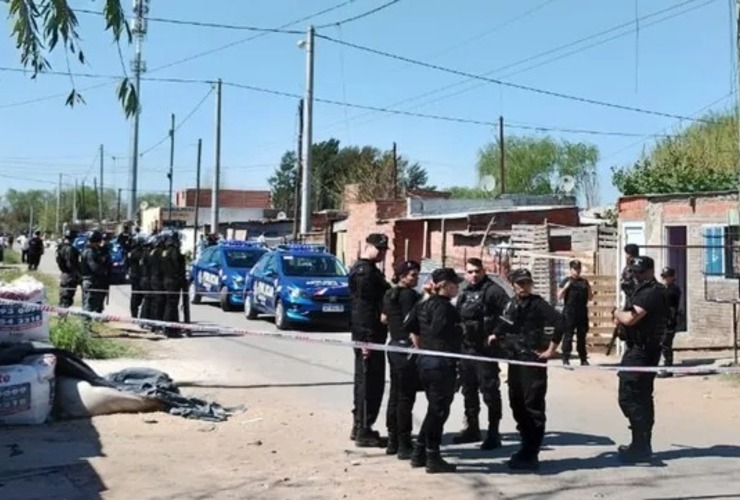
<point x="703" y="157"/>
<point x="283" y="182"/>
<point x="468" y="193"/>
<point x="534" y="165"/>
<point x="40" y="27"/>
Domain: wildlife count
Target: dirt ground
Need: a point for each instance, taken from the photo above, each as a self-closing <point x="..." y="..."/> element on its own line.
<point x="278" y="448"/>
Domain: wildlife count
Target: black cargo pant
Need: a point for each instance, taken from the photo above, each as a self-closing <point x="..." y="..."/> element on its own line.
<point x="483" y="377"/>
<point x="157" y="300"/>
<point x="666" y="344"/>
<point x="137" y="297"/>
<point x="34" y="258"/>
<point x="171" y="301"/>
<point x="575" y="323"/>
<point x="93" y="296"/>
<point x="437" y="377"/>
<point x="527" y="392"/>
<point x="404" y="384"/>
<point x="369" y="388"/>
<point x="636" y="389"/>
<point x="146" y="299"/>
<point x="68" y="284"/>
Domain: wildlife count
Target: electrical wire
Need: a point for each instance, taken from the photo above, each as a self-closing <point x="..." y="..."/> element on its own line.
<point x="360" y="16"/>
<point x="49" y="97"/>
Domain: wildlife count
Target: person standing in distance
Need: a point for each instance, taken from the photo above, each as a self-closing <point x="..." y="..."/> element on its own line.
<point x="480" y="305"/>
<point x="398" y="303"/>
<point x="673" y="302"/>
<point x="645" y="325"/>
<point x="521" y="335"/>
<point x="367" y="286"/>
<point x="575" y="292"/>
<point x="68" y="261"/>
<point x="438" y="324"/>
<point x="95" y="277"/>
<point x="35" y="251"/>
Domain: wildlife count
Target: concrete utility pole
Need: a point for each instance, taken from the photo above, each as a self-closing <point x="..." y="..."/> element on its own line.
<point x="97" y="196"/>
<point x="118" y="206"/>
<point x="172" y="163"/>
<point x="502" y="152"/>
<point x="736" y="356"/>
<point x="101" y="192"/>
<point x="308" y="44"/>
<point x="395" y="172"/>
<point x="57" y="227"/>
<point x="217" y="167"/>
<point x="74" y="203"/>
<point x="197" y="199"/>
<point x="138" y="66"/>
<point x="298" y="176"/>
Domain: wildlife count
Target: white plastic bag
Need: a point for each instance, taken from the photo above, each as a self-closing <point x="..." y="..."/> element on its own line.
<point x="23" y="322"/>
<point x="27" y="391"/>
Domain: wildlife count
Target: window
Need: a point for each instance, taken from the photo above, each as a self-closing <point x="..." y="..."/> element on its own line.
<point x="722" y="251"/>
<point x="243" y="258"/>
<point x="314" y="266"/>
<point x="206" y="256"/>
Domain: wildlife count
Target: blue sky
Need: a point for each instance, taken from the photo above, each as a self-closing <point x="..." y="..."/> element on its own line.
<point x="678" y="65"/>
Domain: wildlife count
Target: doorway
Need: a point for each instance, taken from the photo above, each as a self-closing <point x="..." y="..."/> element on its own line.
<point x="676" y="257"/>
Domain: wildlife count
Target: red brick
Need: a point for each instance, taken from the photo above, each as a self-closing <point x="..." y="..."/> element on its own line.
<point x="228" y="198"/>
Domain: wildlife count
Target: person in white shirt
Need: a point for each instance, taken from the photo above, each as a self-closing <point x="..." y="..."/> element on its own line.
<point x="23" y="243"/>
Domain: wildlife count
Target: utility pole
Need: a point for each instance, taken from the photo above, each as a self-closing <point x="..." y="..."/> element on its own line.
<point x="100" y="193"/>
<point x="308" y="135"/>
<point x="74" y="203"/>
<point x="395" y="172"/>
<point x="736" y="348"/>
<point x="58" y="228"/>
<point x="138" y="66"/>
<point x="97" y="195"/>
<point x="215" y="190"/>
<point x="172" y="162"/>
<point x="30" y="222"/>
<point x="502" y="151"/>
<point x="197" y="199"/>
<point x="298" y="176"/>
<point x="82" y="199"/>
<point x="118" y="206"/>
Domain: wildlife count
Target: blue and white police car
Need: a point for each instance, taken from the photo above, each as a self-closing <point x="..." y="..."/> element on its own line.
<point x="298" y="284"/>
<point x="220" y="270"/>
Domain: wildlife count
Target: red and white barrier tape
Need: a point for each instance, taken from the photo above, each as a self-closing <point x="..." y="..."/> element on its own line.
<point x="194" y="328"/>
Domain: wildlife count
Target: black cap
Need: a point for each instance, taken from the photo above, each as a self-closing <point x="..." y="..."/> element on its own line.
<point x="520" y="275"/>
<point x="378" y="240"/>
<point x="642" y="264"/>
<point x="445" y="274"/>
<point x="405" y="266"/>
<point x="668" y="272"/>
<point x="632" y="250"/>
<point x="96" y="237"/>
<point x="575" y="264"/>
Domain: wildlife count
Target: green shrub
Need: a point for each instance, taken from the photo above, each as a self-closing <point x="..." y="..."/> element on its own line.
<point x="11" y="257"/>
<point x="74" y="334"/>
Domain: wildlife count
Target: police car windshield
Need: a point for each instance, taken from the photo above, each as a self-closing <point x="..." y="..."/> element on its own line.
<point x="243" y="258"/>
<point x="313" y="266"/>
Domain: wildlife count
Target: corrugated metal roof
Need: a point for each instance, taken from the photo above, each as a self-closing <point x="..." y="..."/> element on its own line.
<point x="492" y="211"/>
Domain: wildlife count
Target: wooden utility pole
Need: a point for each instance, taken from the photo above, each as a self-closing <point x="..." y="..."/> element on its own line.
<point x="298" y="175"/>
<point x="100" y="192"/>
<point x="172" y="163"/>
<point x="395" y="172"/>
<point x="502" y="151"/>
<point x="97" y="196"/>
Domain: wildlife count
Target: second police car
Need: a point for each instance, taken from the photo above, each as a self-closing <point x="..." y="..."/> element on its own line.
<point x="220" y="270"/>
<point x="298" y="284"/>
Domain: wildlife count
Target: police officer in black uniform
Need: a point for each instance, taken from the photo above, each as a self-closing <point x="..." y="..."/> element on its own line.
<point x="367" y="286"/>
<point x="147" y="306"/>
<point x="673" y="302"/>
<point x="644" y="326"/>
<point x="438" y="324"/>
<point x="95" y="274"/>
<point x="156" y="279"/>
<point x="134" y="259"/>
<point x="480" y="305"/>
<point x="35" y="251"/>
<point x="521" y="335"/>
<point x="68" y="261"/>
<point x="173" y="271"/>
<point x="398" y="303"/>
<point x="575" y="292"/>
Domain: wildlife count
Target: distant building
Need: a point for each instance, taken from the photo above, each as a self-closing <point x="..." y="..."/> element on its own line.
<point x="228" y="198"/>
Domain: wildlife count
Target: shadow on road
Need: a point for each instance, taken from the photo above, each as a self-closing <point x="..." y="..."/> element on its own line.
<point x="260" y="386"/>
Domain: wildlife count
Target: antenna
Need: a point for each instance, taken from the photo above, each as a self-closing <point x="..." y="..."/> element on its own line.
<point x="567" y="184"/>
<point x="488" y="183"/>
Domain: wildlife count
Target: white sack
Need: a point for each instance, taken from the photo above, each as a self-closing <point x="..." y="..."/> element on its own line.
<point x="20" y="322"/>
<point x="78" y="399"/>
<point x="27" y="391"/>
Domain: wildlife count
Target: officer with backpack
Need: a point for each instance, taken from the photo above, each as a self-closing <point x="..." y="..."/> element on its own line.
<point x="68" y="261"/>
<point x="480" y="306"/>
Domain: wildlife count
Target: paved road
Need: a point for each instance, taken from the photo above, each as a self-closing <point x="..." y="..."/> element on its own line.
<point x="697" y="440"/>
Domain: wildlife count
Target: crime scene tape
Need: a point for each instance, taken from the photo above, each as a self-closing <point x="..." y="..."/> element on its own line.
<point x="355" y="344"/>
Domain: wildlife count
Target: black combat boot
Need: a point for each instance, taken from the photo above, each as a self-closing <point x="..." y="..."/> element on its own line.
<point x="524" y="461"/>
<point x="584" y="362"/>
<point x="493" y="438"/>
<point x="392" y="447"/>
<point x="405" y="447"/>
<point x="368" y="438"/>
<point x="471" y="432"/>
<point x="639" y="451"/>
<point x="437" y="465"/>
<point x="419" y="455"/>
<point x="566" y="360"/>
<point x="353" y="432"/>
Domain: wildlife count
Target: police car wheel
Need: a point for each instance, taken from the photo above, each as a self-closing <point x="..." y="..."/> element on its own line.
<point x="193" y="295"/>
<point x="249" y="311"/>
<point x="224" y="299"/>
<point x="281" y="319"/>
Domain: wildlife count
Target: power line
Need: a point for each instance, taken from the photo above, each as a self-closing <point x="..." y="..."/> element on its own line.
<point x="518" y="86"/>
<point x="360" y="16"/>
<point x="50" y="97"/>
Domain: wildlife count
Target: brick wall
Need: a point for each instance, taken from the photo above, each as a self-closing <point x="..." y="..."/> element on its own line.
<point x="228" y="198"/>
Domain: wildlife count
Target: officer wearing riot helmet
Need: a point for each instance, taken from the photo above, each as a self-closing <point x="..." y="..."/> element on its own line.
<point x="575" y="292"/>
<point x="145" y="263"/>
<point x="521" y="336"/>
<point x="480" y="305"/>
<point x="173" y="271"/>
<point x="95" y="274"/>
<point x="644" y="326"/>
<point x="68" y="260"/>
<point x="673" y="302"/>
<point x="627" y="280"/>
<point x="135" y="273"/>
<point x="438" y="324"/>
<point x="367" y="286"/>
<point x="398" y="304"/>
<point x="156" y="279"/>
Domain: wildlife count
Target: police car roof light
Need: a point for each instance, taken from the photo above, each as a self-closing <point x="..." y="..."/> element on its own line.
<point x="302" y="248"/>
<point x="240" y="243"/>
